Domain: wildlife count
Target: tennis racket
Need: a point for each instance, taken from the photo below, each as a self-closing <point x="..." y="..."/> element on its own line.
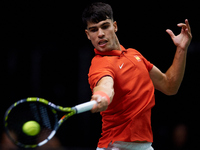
<point x="44" y="113"/>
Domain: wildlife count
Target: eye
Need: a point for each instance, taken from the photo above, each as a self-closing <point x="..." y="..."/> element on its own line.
<point x="106" y="26"/>
<point x="93" y="29"/>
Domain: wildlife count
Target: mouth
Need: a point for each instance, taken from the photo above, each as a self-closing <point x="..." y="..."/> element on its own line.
<point x="102" y="43"/>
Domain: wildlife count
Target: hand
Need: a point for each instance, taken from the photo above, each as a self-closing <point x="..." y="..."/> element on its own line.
<point x="102" y="103"/>
<point x="184" y="38"/>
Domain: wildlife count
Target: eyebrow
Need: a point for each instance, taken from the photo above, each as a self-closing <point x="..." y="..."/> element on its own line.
<point x="100" y="25"/>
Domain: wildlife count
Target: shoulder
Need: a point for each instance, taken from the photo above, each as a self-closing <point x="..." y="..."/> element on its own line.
<point x="135" y="54"/>
<point x="100" y="67"/>
<point x="99" y="62"/>
<point x="133" y="51"/>
<point x="138" y="56"/>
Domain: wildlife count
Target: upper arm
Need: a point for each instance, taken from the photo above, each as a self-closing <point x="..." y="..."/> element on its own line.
<point x="159" y="80"/>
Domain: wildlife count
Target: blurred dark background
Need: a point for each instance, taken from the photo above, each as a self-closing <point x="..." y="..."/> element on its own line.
<point x="45" y="53"/>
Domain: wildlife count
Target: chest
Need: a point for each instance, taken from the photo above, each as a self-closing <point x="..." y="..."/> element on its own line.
<point x="130" y="72"/>
<point x="128" y="66"/>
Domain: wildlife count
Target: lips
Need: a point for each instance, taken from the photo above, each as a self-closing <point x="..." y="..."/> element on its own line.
<point x="102" y="42"/>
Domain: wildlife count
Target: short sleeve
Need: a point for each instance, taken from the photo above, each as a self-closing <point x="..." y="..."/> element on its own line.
<point x="100" y="67"/>
<point x="148" y="64"/>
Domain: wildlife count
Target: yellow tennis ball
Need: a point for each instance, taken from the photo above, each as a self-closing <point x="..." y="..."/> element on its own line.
<point x="31" y="128"/>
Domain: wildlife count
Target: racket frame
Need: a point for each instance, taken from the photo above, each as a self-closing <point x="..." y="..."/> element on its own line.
<point x="70" y="112"/>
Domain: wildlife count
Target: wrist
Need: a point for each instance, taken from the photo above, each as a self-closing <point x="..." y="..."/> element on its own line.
<point x="181" y="51"/>
<point x="185" y="48"/>
<point x="103" y="94"/>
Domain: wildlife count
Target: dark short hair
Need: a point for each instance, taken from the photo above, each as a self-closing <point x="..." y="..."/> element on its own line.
<point x="97" y="12"/>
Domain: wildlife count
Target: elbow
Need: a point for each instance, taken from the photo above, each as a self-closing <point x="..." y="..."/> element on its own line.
<point x="171" y="87"/>
<point x="171" y="91"/>
<point x="174" y="92"/>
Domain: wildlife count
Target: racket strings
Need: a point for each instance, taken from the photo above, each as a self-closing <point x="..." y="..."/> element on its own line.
<point x="34" y="109"/>
<point x="44" y="117"/>
<point x="28" y="111"/>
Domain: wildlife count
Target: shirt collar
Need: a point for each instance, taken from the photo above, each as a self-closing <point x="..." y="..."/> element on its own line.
<point x="110" y="53"/>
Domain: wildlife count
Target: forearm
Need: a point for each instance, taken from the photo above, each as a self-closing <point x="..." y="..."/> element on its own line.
<point x="105" y="86"/>
<point x="175" y="73"/>
<point x="103" y="93"/>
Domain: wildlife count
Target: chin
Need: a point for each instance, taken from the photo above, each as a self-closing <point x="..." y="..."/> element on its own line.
<point x="103" y="49"/>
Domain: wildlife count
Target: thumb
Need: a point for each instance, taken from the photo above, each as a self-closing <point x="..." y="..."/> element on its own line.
<point x="95" y="107"/>
<point x="93" y="110"/>
<point x="170" y="33"/>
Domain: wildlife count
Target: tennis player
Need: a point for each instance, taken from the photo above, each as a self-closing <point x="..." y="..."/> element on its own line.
<point x="123" y="81"/>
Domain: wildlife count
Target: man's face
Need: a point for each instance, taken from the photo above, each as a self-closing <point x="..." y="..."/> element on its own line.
<point x="102" y="35"/>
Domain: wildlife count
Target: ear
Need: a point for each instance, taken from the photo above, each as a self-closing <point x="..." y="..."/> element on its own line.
<point x="88" y="36"/>
<point x="115" y="26"/>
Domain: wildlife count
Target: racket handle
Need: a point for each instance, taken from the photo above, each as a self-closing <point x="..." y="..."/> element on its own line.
<point x="85" y="106"/>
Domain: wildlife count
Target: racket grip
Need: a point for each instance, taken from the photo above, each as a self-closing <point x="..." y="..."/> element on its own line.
<point x="85" y="106"/>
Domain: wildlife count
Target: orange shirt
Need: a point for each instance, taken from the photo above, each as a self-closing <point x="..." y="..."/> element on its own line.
<point x="128" y="117"/>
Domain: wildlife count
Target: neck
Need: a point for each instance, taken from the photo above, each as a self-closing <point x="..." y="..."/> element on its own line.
<point x="117" y="44"/>
<point x="118" y="47"/>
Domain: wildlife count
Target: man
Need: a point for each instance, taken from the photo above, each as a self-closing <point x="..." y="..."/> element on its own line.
<point x="123" y="81"/>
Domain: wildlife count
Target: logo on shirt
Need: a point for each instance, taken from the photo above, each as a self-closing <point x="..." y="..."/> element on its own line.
<point x="137" y="58"/>
<point x="120" y="67"/>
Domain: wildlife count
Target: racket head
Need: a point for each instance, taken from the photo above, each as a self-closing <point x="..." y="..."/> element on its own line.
<point x="33" y="109"/>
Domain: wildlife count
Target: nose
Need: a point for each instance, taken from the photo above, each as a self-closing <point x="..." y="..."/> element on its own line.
<point x="101" y="33"/>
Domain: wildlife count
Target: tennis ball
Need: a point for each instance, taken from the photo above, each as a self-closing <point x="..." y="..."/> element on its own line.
<point x="31" y="128"/>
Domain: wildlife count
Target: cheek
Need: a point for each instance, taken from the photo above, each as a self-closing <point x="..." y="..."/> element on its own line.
<point x="93" y="39"/>
<point x="111" y="35"/>
<point x="93" y="43"/>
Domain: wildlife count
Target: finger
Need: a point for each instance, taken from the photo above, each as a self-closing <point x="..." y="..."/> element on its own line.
<point x="94" y="108"/>
<point x="98" y="99"/>
<point x="184" y="26"/>
<point x="170" y="33"/>
<point x="188" y="28"/>
<point x="188" y="25"/>
<point x="181" y="24"/>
